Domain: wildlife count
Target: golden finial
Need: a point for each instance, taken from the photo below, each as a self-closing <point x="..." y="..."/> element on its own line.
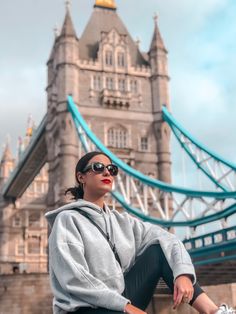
<point x="106" y="4"/>
<point x="30" y="126"/>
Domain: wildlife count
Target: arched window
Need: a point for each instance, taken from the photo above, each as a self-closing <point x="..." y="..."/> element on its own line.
<point x="108" y="58"/>
<point x="121" y="59"/>
<point x="118" y="137"/>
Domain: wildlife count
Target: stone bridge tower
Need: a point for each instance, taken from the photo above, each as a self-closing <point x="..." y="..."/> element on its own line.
<point x="62" y="143"/>
<point x="119" y="91"/>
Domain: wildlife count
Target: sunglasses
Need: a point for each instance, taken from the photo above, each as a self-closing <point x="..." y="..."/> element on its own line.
<point x="99" y="167"/>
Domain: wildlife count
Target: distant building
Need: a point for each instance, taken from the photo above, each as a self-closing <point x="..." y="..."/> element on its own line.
<point x="23" y="229"/>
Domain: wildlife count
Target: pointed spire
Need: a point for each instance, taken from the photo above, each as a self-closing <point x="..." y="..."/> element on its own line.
<point x="157" y="41"/>
<point x="7" y="162"/>
<point x="68" y="27"/>
<point x="20" y="147"/>
<point x="30" y="126"/>
<point x="7" y="154"/>
<point x="29" y="131"/>
<point x="56" y="31"/>
<point x="155" y="18"/>
<point x="137" y="42"/>
<point x="68" y="4"/>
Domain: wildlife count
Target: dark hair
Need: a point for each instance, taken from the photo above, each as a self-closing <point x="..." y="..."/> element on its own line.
<point x="77" y="191"/>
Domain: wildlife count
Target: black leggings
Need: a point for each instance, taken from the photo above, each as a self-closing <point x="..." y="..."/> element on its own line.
<point x="142" y="279"/>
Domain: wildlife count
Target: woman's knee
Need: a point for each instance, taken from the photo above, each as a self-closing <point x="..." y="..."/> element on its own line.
<point x="155" y="254"/>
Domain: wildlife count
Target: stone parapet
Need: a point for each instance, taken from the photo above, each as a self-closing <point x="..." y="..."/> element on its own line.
<point x="31" y="294"/>
<point x="162" y="303"/>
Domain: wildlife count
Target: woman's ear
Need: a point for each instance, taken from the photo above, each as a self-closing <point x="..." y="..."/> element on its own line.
<point x="80" y="177"/>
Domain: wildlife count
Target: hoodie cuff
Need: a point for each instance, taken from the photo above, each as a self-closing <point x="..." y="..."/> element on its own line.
<point x="185" y="269"/>
<point x="117" y="303"/>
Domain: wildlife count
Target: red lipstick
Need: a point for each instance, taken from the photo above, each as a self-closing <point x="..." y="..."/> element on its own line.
<point x="106" y="181"/>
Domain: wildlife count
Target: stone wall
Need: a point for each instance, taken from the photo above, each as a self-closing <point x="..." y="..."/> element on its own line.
<point x="162" y="304"/>
<point x="25" y="294"/>
<point x="30" y="294"/>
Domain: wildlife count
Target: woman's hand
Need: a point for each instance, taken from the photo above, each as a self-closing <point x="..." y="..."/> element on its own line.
<point x="131" y="309"/>
<point x="183" y="290"/>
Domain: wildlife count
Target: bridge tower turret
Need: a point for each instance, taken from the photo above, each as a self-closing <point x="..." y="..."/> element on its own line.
<point x="6" y="164"/>
<point x="62" y="143"/>
<point x="160" y="96"/>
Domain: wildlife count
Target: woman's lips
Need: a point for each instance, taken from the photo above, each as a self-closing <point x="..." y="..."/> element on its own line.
<point x="106" y="181"/>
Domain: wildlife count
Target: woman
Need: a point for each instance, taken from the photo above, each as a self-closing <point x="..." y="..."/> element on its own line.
<point x="102" y="261"/>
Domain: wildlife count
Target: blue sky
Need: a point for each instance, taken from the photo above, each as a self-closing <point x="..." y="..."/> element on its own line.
<point x="199" y="35"/>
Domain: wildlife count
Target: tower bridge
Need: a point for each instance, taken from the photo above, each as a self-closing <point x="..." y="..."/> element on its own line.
<point x="105" y="94"/>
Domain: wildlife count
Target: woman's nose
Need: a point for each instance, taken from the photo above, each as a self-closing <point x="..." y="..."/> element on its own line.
<point x="106" y="172"/>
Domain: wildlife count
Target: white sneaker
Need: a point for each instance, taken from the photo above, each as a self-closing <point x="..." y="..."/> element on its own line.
<point x="224" y="309"/>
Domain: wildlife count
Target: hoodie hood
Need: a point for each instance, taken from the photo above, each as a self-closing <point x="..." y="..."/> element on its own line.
<point x="92" y="209"/>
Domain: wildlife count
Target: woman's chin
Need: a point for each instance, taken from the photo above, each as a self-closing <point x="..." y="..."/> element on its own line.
<point x="106" y="189"/>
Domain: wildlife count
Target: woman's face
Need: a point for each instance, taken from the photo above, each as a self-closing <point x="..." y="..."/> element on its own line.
<point x="97" y="184"/>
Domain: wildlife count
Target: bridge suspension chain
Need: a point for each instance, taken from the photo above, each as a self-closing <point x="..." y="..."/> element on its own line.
<point x="153" y="200"/>
<point x="217" y="169"/>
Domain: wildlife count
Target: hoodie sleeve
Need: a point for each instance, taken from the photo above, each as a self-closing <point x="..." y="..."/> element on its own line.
<point x="146" y="234"/>
<point x="74" y="283"/>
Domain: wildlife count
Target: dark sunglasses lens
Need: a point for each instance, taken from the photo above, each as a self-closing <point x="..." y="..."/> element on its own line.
<point x="98" y="167"/>
<point x="113" y="170"/>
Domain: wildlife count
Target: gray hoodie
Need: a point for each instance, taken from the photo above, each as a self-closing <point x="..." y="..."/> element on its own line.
<point x="83" y="269"/>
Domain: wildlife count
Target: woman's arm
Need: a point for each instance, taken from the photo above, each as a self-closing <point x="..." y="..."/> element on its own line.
<point x="146" y="234"/>
<point x="183" y="290"/>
